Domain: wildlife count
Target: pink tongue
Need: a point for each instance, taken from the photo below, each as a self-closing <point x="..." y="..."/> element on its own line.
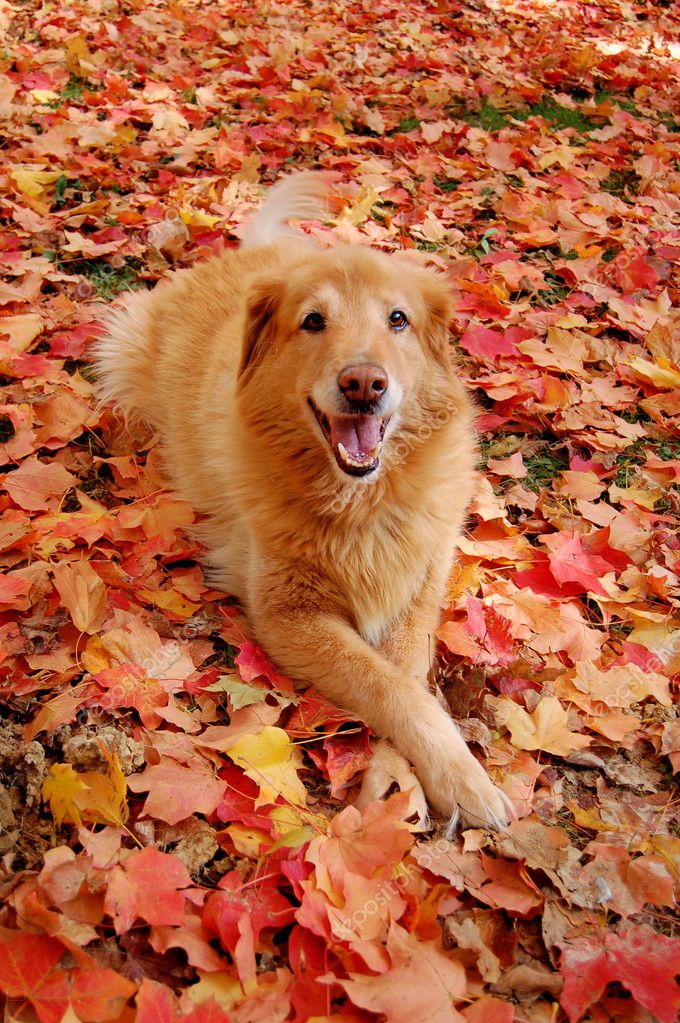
<point x="359" y="434"/>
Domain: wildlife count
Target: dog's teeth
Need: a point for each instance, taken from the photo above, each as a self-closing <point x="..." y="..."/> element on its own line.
<point x="349" y="459"/>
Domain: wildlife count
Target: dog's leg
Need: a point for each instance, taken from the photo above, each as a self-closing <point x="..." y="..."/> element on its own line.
<point x="388" y="768"/>
<point x="322" y="648"/>
<point x="406" y="645"/>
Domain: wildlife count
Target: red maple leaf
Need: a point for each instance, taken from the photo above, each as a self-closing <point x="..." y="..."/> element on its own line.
<point x="570" y="563"/>
<point x="253" y="663"/>
<point x="642" y="960"/>
<point x="260" y="900"/>
<point x="148" y="885"/>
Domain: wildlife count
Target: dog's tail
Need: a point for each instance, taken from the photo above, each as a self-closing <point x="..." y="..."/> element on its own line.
<point x="123" y="356"/>
<point x="302" y="196"/>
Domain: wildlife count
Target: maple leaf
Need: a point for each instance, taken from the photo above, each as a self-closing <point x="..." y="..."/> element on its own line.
<point x="82" y="593"/>
<point x="193" y="938"/>
<point x="253" y="663"/>
<point x="21" y="329"/>
<point x="32" y="181"/>
<point x="341" y="758"/>
<point x="419" y="986"/>
<point x="269" y="758"/>
<point x="642" y="960"/>
<point x="148" y="884"/>
<point x="364" y="843"/>
<point x="545" y="728"/>
<point x="60" y="789"/>
<point x="488" y="343"/>
<point x="26" y="960"/>
<point x="621" y="686"/>
<point x="240" y="694"/>
<point x="99" y="993"/>
<point x="628" y="884"/>
<point x="157" y="1004"/>
<point x="12" y="591"/>
<point x="509" y="887"/>
<point x="36" y="485"/>
<point x="260" y="900"/>
<point x="570" y="563"/>
<point x="177" y="791"/>
<point x="128" y="685"/>
<point x="89" y="795"/>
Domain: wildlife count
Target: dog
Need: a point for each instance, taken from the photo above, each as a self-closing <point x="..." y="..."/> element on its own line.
<point x="309" y="406"/>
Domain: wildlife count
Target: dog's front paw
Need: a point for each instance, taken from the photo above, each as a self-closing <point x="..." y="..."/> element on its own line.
<point x="463" y="791"/>
<point x="387" y="768"/>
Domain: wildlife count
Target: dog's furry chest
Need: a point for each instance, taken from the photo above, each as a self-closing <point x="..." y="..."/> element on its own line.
<point x="379" y="580"/>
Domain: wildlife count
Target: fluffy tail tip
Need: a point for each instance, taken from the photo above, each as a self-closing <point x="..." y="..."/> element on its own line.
<point x="302" y="196"/>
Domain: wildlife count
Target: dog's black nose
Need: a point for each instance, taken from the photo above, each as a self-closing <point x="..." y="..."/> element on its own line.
<point x="363" y="382"/>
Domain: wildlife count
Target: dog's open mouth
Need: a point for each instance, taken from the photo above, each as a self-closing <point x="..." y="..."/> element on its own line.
<point x="355" y="438"/>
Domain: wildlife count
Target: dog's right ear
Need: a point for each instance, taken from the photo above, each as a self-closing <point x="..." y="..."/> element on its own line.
<point x="262" y="302"/>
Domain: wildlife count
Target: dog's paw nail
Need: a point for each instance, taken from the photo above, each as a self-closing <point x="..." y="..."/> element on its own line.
<point x="452" y="826"/>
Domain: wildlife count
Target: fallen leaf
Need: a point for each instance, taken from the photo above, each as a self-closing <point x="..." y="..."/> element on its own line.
<point x="545" y="728"/>
<point x="82" y="593"/>
<point x="176" y="792"/>
<point x="149" y="884"/>
<point x="421" y="984"/>
<point x="269" y="758"/>
<point x="36" y="485"/>
<point x="644" y="962"/>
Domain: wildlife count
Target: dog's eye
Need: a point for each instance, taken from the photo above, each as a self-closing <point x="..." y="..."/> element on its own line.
<point x="313" y="322"/>
<point x="398" y="319"/>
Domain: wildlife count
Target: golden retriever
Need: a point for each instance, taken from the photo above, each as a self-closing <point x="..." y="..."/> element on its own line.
<point x="309" y="405"/>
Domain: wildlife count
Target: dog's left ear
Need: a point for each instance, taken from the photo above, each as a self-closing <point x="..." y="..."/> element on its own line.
<point x="436" y="295"/>
<point x="262" y="302"/>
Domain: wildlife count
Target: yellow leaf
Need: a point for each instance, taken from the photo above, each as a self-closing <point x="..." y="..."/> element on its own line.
<point x="92" y="796"/>
<point x="170" y="600"/>
<point x="82" y="593"/>
<point x="61" y="789"/>
<point x="360" y="210"/>
<point x="285" y="819"/>
<point x="590" y="818"/>
<point x="126" y="133"/>
<point x="637" y="493"/>
<point x="221" y="987"/>
<point x="198" y="218"/>
<point x="545" y="729"/>
<point x="661" y="372"/>
<point x="77" y="54"/>
<point x="248" y="842"/>
<point x="270" y="759"/>
<point x="22" y="329"/>
<point x="44" y="96"/>
<point x="96" y="657"/>
<point x="105" y="802"/>
<point x="32" y="182"/>
<point x="562" y="155"/>
<point x="292" y="839"/>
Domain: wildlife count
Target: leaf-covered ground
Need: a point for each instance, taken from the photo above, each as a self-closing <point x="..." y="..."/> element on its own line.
<point x="178" y="840"/>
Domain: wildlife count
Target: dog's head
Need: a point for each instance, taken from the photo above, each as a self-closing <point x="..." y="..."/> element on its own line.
<point x="338" y="350"/>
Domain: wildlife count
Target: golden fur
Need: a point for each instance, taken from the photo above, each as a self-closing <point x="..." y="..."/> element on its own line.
<point x="342" y="577"/>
